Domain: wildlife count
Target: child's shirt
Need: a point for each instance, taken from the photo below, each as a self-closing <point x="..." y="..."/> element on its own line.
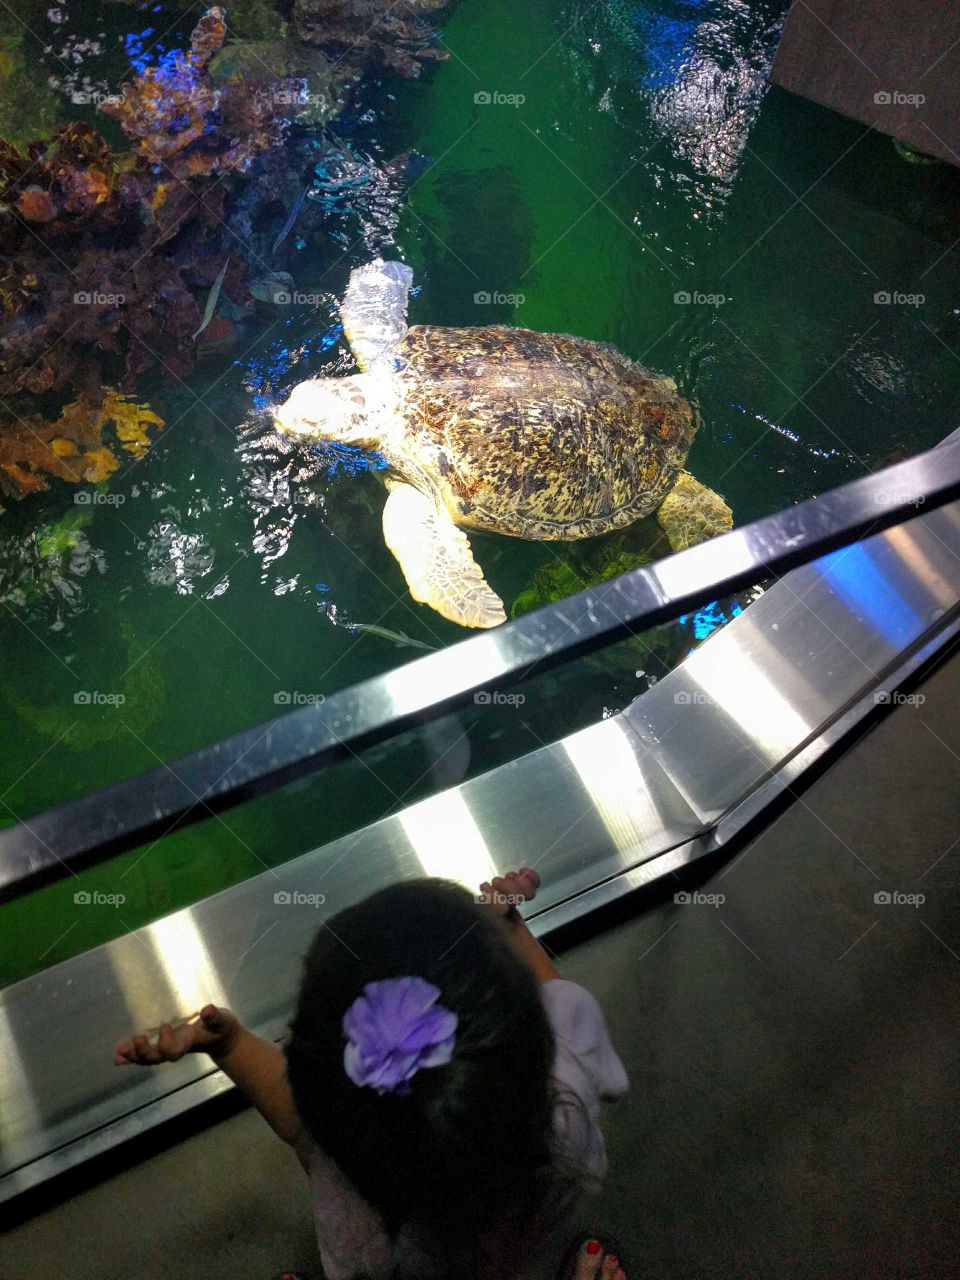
<point x="350" y="1234"/>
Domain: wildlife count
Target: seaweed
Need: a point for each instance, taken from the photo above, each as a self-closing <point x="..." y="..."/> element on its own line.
<point x="652" y="653"/>
<point x="560" y="578"/>
<point x="54" y="541"/>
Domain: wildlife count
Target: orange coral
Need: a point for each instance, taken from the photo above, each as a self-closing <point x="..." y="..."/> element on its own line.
<point x="36" y="205"/>
<point x="166" y="110"/>
<point x="73" y="448"/>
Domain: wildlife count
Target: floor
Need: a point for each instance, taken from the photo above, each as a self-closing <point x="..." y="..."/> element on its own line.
<point x="792" y="1053"/>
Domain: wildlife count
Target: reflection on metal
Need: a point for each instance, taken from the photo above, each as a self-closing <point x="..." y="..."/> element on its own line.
<point x="629" y="792"/>
<point x="96" y="827"/>
<point x="447" y="840"/>
<point x="726" y="677"/>
<point x="757" y="690"/>
<point x="599" y="813"/>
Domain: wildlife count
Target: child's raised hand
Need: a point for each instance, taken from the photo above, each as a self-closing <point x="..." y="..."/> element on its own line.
<point x="211" y="1031"/>
<point x="504" y="892"/>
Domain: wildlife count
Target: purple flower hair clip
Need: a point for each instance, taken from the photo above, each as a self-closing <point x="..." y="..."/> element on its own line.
<point x="392" y="1030"/>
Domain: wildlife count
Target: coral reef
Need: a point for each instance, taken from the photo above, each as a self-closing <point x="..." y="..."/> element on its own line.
<point x="75" y="447"/>
<point x="369" y="32"/>
<point x="117" y="261"/>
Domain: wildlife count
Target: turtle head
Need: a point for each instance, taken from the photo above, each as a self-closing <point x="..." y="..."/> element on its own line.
<point x="342" y="410"/>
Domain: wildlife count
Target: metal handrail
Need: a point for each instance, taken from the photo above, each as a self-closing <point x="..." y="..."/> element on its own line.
<point x="99" y="826"/>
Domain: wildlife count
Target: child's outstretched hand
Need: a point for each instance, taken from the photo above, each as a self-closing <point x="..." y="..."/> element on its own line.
<point x="505" y="892"/>
<point x="211" y="1031"/>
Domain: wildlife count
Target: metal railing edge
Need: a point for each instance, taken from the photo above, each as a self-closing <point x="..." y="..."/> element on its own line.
<point x="107" y="822"/>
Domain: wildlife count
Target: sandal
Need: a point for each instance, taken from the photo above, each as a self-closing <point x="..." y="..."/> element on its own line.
<point x="608" y="1244"/>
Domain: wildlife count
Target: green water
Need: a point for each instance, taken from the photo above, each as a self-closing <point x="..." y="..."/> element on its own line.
<point x="628" y="153"/>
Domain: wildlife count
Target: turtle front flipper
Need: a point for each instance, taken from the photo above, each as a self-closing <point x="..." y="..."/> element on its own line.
<point x="374" y="309"/>
<point x="436" y="560"/>
<point x="692" y="513"/>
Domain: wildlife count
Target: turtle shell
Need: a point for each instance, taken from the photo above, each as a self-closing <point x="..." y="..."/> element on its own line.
<point x="537" y="435"/>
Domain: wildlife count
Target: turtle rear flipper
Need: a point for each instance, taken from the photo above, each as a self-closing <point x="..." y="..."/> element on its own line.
<point x="374" y="309"/>
<point x="436" y="560"/>
<point x="692" y="513"/>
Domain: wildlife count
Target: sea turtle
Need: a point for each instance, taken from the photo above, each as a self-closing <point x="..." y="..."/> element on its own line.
<point x="537" y="435"/>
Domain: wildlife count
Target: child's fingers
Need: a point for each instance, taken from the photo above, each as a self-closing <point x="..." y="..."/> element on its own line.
<point x="524" y="882"/>
<point x="172" y="1043"/>
<point x="503" y="891"/>
<point x="145" y="1052"/>
<point x="141" y="1051"/>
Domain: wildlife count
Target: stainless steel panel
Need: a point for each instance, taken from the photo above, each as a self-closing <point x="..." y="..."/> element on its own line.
<point x="97" y="826"/>
<point x="624" y="800"/>
<point x="761" y="687"/>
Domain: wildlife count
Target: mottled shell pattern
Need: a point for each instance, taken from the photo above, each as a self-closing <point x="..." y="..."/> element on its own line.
<point x="542" y="436"/>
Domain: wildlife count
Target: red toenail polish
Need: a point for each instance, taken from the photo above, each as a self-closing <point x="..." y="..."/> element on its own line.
<point x="613" y="1260"/>
<point x="593" y="1247"/>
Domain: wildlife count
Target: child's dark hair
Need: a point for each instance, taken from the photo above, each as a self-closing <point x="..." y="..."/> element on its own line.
<point x="468" y="1154"/>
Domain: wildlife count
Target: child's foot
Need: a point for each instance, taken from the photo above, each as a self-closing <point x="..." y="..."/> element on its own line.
<point x="593" y="1262"/>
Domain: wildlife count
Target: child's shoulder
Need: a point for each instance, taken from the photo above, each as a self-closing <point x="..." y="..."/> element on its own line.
<point x="586" y="1060"/>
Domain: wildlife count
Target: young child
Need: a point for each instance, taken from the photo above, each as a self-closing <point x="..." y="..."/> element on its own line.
<point x="441" y="1085"/>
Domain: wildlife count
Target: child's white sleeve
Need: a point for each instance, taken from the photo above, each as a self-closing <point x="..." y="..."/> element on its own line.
<point x="585" y="1065"/>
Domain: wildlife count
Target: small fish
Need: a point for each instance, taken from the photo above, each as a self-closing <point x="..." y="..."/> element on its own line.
<point x="288" y="225"/>
<point x="397" y="637"/>
<point x="212" y="297"/>
<point x="276" y="287"/>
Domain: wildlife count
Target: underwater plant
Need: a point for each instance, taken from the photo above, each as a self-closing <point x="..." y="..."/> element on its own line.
<point x="653" y="652"/>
